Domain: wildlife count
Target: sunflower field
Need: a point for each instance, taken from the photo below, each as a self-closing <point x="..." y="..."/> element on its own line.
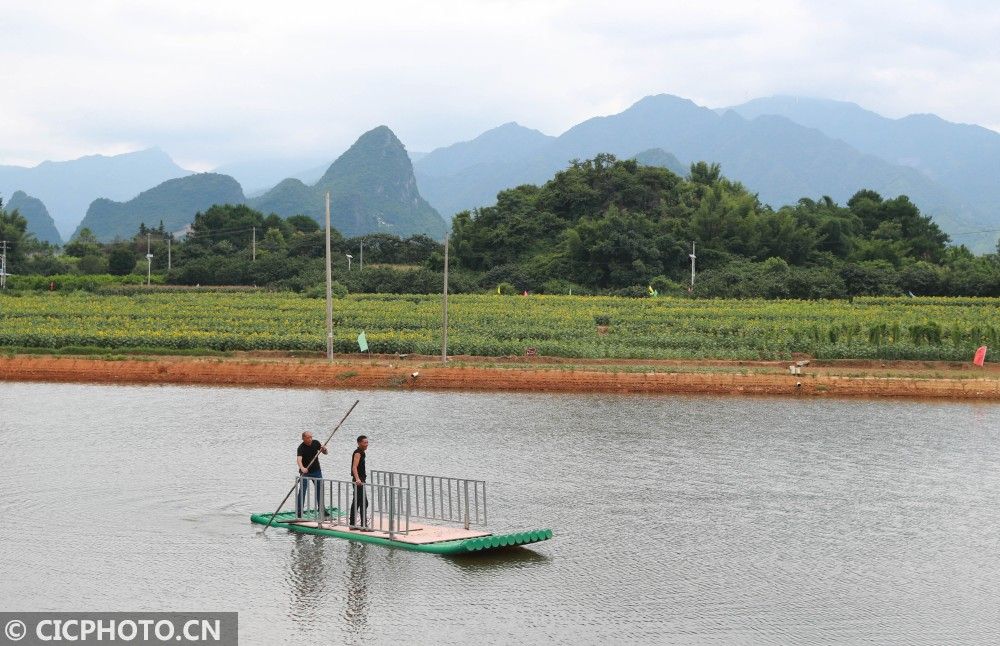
<point x="494" y="325"/>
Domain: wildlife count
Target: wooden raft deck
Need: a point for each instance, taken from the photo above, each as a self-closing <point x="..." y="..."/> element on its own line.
<point x="420" y="533"/>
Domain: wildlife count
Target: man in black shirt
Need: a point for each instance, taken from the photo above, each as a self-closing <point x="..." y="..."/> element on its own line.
<point x="359" y="476"/>
<point x="307" y="458"/>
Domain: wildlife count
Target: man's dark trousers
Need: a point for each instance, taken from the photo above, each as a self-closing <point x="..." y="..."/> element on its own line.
<point x="359" y="503"/>
<point x="300" y="498"/>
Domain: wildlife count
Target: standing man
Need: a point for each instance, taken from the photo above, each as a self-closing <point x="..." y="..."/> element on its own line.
<point x="307" y="458"/>
<point x="359" y="476"/>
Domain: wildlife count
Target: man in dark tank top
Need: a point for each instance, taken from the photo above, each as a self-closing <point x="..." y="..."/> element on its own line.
<point x="359" y="476"/>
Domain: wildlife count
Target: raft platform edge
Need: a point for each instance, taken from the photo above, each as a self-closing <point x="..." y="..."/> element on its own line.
<point x="464" y="546"/>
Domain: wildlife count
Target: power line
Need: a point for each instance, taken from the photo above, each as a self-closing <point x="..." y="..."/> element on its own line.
<point x="195" y="234"/>
<point x="972" y="233"/>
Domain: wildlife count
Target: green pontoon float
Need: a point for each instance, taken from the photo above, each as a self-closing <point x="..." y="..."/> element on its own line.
<point x="405" y="510"/>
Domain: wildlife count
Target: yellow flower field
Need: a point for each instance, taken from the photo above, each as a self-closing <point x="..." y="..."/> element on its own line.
<point x="492" y="325"/>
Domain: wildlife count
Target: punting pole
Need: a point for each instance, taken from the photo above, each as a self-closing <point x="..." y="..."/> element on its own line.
<point x="315" y="457"/>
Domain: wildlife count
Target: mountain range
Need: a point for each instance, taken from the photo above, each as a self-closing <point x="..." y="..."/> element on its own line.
<point x="964" y="158"/>
<point x="68" y="187"/>
<point x="372" y="189"/>
<point x="784" y="148"/>
<point x="772" y="154"/>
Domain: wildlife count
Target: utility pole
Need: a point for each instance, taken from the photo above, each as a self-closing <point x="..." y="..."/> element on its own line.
<point x="329" y="287"/>
<point x="169" y="265"/>
<point x="444" y="337"/>
<point x="3" y="264"/>
<point x="253" y="253"/>
<point x="692" y="256"/>
<point x="361" y="260"/>
<point x="149" y="262"/>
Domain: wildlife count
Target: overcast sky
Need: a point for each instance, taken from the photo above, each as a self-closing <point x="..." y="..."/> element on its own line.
<point x="218" y="81"/>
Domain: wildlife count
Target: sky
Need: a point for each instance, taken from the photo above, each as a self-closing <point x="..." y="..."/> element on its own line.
<point x="221" y="81"/>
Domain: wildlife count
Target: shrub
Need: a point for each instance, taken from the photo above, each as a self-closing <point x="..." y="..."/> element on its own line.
<point x="506" y="289"/>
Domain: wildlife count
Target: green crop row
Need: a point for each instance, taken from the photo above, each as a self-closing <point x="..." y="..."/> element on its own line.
<point x="493" y="325"/>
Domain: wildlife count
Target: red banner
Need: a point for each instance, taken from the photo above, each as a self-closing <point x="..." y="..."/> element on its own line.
<point x="980" y="356"/>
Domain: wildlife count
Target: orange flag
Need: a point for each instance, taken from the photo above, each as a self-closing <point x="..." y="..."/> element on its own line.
<point x="980" y="356"/>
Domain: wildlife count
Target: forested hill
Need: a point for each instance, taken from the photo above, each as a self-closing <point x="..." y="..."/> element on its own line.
<point x="372" y="190"/>
<point x="611" y="224"/>
<point x="174" y="202"/>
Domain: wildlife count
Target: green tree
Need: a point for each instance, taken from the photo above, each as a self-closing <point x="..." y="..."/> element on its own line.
<point x="303" y="223"/>
<point x="93" y="264"/>
<point x="83" y="244"/>
<point x="14" y="230"/>
<point x="233" y="223"/>
<point x="274" y="241"/>
<point x="121" y="260"/>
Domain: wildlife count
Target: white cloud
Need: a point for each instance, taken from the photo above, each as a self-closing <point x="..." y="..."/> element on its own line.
<point x="214" y="82"/>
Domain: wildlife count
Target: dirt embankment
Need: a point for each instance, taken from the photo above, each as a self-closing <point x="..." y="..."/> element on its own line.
<point x="919" y="380"/>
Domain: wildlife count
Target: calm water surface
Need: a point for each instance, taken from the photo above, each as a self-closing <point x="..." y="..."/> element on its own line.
<point x="677" y="520"/>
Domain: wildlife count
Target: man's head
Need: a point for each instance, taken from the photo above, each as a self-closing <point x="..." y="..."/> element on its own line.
<point x="307" y="437"/>
<point x="363" y="442"/>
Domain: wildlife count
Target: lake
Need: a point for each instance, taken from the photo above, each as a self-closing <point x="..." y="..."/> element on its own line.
<point x="689" y="520"/>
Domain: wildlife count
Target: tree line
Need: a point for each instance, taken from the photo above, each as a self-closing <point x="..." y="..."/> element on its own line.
<point x="609" y="225"/>
<point x="602" y="225"/>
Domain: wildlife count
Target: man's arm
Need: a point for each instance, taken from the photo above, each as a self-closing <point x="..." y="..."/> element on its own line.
<point x="298" y="460"/>
<point x="354" y="468"/>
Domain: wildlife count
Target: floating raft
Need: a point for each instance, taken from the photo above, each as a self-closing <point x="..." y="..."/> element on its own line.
<point x="421" y="538"/>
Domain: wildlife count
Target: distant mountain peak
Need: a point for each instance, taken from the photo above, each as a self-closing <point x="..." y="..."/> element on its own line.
<point x="379" y="136"/>
<point x="655" y="102"/>
<point x="153" y="153"/>
<point x="379" y="142"/>
<point x="662" y="159"/>
<point x="494" y="146"/>
<point x="40" y="223"/>
<point x="372" y="188"/>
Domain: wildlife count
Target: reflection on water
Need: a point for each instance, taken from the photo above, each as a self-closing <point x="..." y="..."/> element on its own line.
<point x="308" y="577"/>
<point x="499" y="559"/>
<point x="676" y="520"/>
<point x="356" y="584"/>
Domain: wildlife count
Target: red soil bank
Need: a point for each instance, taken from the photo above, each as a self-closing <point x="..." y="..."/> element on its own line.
<point x="532" y="378"/>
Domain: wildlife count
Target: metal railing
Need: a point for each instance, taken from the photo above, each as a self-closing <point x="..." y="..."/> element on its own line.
<point x="457" y="500"/>
<point x="375" y="506"/>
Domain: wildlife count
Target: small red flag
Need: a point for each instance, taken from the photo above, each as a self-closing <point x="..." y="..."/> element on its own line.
<point x="980" y="356"/>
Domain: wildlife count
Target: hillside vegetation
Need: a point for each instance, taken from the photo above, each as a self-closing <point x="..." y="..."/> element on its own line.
<point x="174" y="203"/>
<point x="608" y="224"/>
<point x="601" y="226"/>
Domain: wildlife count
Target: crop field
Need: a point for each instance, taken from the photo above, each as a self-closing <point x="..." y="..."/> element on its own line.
<point x="493" y="325"/>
